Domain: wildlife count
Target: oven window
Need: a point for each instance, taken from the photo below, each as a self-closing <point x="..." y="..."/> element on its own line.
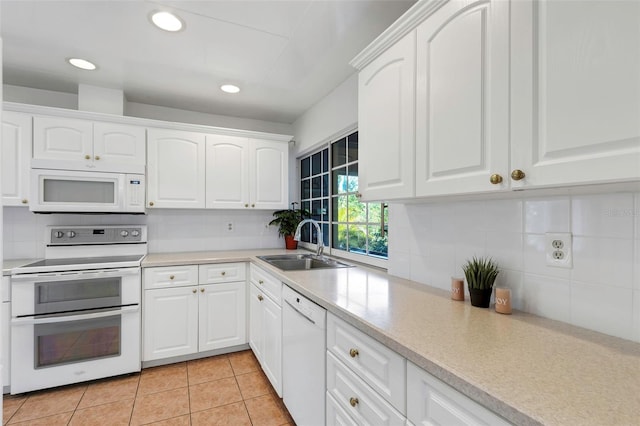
<point x="79" y="191"/>
<point x="78" y="294"/>
<point x="77" y="341"/>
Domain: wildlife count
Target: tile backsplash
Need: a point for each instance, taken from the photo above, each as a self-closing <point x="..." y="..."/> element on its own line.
<point x="169" y="230"/>
<point x="429" y="243"/>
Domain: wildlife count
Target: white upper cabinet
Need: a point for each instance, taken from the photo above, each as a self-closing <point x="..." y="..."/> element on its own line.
<point x="462" y="98"/>
<point x="16" y="158"/>
<point x="227" y="172"/>
<point x="75" y="144"/>
<point x="386" y="111"/>
<point x="268" y="174"/>
<point x="175" y="169"/>
<point x="575" y="87"/>
<point x="246" y="173"/>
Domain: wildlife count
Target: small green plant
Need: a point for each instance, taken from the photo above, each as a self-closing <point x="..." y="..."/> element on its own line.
<point x="481" y="273"/>
<point x="287" y="220"/>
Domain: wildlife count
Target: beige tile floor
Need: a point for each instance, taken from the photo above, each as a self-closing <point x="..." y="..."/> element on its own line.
<point x="221" y="390"/>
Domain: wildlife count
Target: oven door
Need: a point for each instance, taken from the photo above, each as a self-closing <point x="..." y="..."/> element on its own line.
<point x="48" y="293"/>
<point x="59" y="350"/>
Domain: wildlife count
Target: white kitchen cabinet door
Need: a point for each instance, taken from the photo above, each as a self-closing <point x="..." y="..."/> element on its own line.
<point x="575" y="92"/>
<point x="227" y="180"/>
<point x="170" y="322"/>
<point x="5" y="335"/>
<point x="432" y="402"/>
<point x="256" y="334"/>
<point x="268" y="174"/>
<point x="119" y="147"/>
<point x="16" y="158"/>
<point x="222" y="315"/>
<point x="66" y="141"/>
<point x="462" y="117"/>
<point x="386" y="123"/>
<point x="175" y="169"/>
<point x="272" y="343"/>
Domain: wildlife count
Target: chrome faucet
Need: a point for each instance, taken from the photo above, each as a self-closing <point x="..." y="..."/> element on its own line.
<point x="320" y="238"/>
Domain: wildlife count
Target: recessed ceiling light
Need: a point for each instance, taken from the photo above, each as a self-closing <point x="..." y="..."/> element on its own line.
<point x="82" y="64"/>
<point x="167" y="21"/>
<point x="229" y="88"/>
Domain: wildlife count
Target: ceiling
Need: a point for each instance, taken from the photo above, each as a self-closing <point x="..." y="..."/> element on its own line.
<point x="285" y="55"/>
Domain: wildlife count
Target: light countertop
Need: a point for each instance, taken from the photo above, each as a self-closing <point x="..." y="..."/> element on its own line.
<point x="528" y="369"/>
<point x="8" y="265"/>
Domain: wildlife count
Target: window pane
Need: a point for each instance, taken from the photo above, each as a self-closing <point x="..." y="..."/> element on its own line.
<point x="325" y="160"/>
<point x="325" y="234"/>
<point x="352" y="180"/>
<point x="339" y="179"/>
<point x="325" y="210"/>
<point x="357" y="238"/>
<point x="304" y="232"/>
<point x="339" y="153"/>
<point x="316" y="209"/>
<point x="306" y="205"/>
<point x="325" y="185"/>
<point x="339" y="208"/>
<point x="305" y="191"/>
<point x="339" y="236"/>
<point x="305" y="169"/>
<point x="377" y="241"/>
<point x="316" y="165"/>
<point x="316" y="189"/>
<point x="352" y="154"/>
<point x="357" y="211"/>
<point x="374" y="212"/>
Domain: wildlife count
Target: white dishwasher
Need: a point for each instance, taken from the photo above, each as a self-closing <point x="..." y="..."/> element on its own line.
<point x="303" y="358"/>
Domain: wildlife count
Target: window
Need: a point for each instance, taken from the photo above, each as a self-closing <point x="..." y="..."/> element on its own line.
<point x="329" y="190"/>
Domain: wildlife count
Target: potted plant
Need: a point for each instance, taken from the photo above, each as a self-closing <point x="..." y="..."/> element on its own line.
<point x="287" y="222"/>
<point x="481" y="273"/>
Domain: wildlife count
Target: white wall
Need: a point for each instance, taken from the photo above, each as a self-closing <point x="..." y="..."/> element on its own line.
<point x="428" y="243"/>
<point x="169" y="230"/>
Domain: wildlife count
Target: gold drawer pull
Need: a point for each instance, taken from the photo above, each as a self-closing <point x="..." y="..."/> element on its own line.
<point x="25" y="201"/>
<point x="353" y="401"/>
<point x="517" y="174"/>
<point x="260" y="282"/>
<point x="354" y="353"/>
<point x="97" y="157"/>
<point x="171" y="277"/>
<point x="194" y="291"/>
<point x="87" y="157"/>
<point x="495" y="179"/>
<point x="260" y="298"/>
<point x="223" y="273"/>
<point x="151" y="203"/>
<point x="202" y="290"/>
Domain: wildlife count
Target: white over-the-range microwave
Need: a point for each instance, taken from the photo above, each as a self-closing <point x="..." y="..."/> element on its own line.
<point x="67" y="191"/>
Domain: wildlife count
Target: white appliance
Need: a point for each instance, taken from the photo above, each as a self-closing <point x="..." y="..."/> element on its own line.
<point x="86" y="192"/>
<point x="303" y="357"/>
<point x="77" y="318"/>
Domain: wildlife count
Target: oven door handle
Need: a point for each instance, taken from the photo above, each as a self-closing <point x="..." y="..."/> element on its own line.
<point x="68" y="318"/>
<point x="76" y="275"/>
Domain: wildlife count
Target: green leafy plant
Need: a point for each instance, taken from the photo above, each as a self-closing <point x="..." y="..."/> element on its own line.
<point x="481" y="273"/>
<point x="287" y="220"/>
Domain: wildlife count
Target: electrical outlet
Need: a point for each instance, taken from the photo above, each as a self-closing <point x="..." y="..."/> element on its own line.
<point x="558" y="249"/>
<point x="230" y="227"/>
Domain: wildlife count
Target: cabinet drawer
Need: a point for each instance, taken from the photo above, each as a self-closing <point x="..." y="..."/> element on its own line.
<point x="336" y="415"/>
<point x="170" y="276"/>
<point x="357" y="398"/>
<point x="267" y="283"/>
<point x="380" y="367"/>
<point x="222" y="273"/>
<point x="431" y="401"/>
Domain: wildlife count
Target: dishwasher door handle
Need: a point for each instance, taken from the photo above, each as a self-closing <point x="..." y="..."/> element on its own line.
<point x="298" y="311"/>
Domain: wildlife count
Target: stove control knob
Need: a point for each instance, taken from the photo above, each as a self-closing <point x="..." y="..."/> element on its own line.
<point x="135" y="233"/>
<point x="124" y="233"/>
<point x="71" y="234"/>
<point x="59" y="234"/>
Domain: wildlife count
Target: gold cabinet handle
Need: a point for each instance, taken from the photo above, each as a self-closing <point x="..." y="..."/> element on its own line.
<point x="260" y="298"/>
<point x="517" y="174"/>
<point x="495" y="179"/>
<point x="354" y="353"/>
<point x="87" y="157"/>
<point x="353" y="401"/>
<point x="194" y="291"/>
<point x="202" y="290"/>
<point x="97" y="157"/>
<point x="25" y="201"/>
<point x="260" y="282"/>
<point x="253" y="205"/>
<point x="151" y="203"/>
<point x="171" y="277"/>
<point x="223" y="273"/>
<point x="246" y="205"/>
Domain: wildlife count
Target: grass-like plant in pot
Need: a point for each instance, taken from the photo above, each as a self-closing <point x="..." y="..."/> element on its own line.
<point x="480" y="273"/>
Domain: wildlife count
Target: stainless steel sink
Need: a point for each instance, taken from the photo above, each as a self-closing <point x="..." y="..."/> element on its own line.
<point x="300" y="262"/>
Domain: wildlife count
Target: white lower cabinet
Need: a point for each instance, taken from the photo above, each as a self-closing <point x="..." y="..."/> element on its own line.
<point x="265" y="324"/>
<point x="336" y="415"/>
<point x="183" y="316"/>
<point x="432" y="402"/>
<point x="5" y="333"/>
